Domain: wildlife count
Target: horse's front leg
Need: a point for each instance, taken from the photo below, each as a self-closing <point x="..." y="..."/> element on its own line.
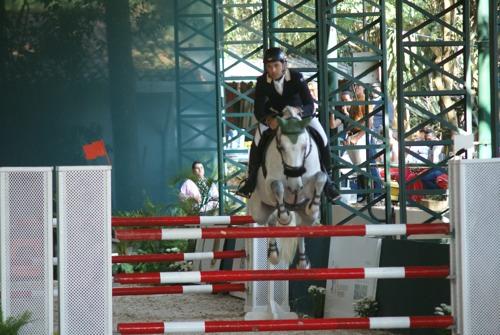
<point x="273" y="253"/>
<point x="312" y="208"/>
<point x="284" y="216"/>
<point x="304" y="262"/>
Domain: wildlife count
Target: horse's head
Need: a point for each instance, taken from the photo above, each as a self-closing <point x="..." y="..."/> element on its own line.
<point x="294" y="145"/>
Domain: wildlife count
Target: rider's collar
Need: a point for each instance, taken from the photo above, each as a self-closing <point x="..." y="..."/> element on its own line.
<point x="288" y="77"/>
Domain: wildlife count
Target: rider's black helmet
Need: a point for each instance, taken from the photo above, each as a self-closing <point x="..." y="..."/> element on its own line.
<point x="274" y="55"/>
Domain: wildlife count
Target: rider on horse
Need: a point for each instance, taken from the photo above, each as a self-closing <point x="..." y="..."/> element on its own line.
<point x="277" y="88"/>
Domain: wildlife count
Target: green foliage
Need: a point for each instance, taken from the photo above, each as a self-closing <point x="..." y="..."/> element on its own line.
<point x="155" y="247"/>
<point x="441" y="310"/>
<point x="189" y="206"/>
<point x="317" y="295"/>
<point x="12" y="324"/>
<point x="50" y="39"/>
<point x="366" y="307"/>
<point x="150" y="247"/>
<point x="65" y="40"/>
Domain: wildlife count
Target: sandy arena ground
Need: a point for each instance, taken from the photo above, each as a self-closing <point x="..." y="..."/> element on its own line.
<point x="192" y="307"/>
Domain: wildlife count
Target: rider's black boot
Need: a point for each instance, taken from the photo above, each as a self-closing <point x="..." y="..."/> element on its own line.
<point x="362" y="185"/>
<point x="249" y="184"/>
<point x="330" y="190"/>
<point x="254" y="163"/>
<point x="326" y="165"/>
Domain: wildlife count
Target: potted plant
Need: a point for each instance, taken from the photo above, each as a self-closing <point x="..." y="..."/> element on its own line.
<point x="317" y="295"/>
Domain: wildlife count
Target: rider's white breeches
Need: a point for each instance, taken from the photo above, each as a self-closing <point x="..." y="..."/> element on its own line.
<point x="314" y="123"/>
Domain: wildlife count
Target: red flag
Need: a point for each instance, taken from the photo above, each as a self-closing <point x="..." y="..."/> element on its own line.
<point x="95" y="150"/>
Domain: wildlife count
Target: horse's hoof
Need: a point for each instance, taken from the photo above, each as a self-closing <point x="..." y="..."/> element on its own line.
<point x="284" y="223"/>
<point x="274" y="258"/>
<point x="304" y="263"/>
<point x="285" y="219"/>
<point x="312" y="211"/>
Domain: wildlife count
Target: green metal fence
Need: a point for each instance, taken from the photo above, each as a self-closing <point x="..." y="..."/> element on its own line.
<point x="239" y="47"/>
<point x="433" y="92"/>
<point x="353" y="56"/>
<point x="196" y="82"/>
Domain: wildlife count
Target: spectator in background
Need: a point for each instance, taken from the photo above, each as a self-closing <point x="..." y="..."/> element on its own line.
<point x="436" y="153"/>
<point x="357" y="136"/>
<point x="360" y="137"/>
<point x="431" y="178"/>
<point x="335" y="123"/>
<point x="203" y="191"/>
<point x="419" y="151"/>
<point x="378" y="118"/>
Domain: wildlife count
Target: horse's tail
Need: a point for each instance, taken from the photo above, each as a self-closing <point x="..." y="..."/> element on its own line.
<point x="288" y="246"/>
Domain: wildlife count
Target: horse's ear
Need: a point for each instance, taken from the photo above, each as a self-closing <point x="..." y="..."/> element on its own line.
<point x="305" y="122"/>
<point x="282" y="122"/>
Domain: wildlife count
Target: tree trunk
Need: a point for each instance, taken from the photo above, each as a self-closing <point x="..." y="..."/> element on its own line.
<point x="122" y="104"/>
<point x="441" y="81"/>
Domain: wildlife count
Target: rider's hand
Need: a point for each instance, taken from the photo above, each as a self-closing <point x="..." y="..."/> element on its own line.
<point x="272" y="122"/>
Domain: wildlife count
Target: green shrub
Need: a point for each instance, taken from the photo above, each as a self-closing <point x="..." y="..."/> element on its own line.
<point x="13" y="324"/>
<point x="366" y="307"/>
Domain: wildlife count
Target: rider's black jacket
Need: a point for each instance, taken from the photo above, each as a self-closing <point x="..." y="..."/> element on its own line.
<point x="295" y="93"/>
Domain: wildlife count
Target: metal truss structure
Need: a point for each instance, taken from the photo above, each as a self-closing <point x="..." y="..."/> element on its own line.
<point x="338" y="46"/>
<point x="195" y="82"/>
<point x="437" y="94"/>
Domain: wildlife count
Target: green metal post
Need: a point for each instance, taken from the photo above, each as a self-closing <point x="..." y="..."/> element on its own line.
<point x="495" y="79"/>
<point x="484" y="80"/>
<point x="387" y="125"/>
<point x="323" y="89"/>
<point x="218" y="102"/>
<point x="265" y="30"/>
<point x="270" y="14"/>
<point x="401" y="110"/>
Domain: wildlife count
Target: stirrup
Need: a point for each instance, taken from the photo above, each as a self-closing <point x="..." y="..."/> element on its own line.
<point x="330" y="192"/>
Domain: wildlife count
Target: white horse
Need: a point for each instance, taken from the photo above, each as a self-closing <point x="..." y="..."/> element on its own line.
<point x="288" y="192"/>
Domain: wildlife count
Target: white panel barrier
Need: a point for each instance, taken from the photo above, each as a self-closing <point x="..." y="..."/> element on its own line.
<point x="265" y="299"/>
<point x="475" y="251"/>
<point x="340" y="295"/>
<point x="85" y="279"/>
<point x="26" y="246"/>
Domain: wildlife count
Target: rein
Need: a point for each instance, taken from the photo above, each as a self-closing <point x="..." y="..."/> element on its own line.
<point x="288" y="170"/>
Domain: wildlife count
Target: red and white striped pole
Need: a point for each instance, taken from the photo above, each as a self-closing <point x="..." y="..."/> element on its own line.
<point x="178" y="289"/>
<point x="262" y="232"/>
<point x="402" y="322"/>
<point x="169" y="221"/>
<point x="292" y="274"/>
<point x="179" y="256"/>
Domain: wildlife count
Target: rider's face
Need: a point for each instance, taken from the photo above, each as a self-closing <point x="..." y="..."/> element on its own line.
<point x="275" y="69"/>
